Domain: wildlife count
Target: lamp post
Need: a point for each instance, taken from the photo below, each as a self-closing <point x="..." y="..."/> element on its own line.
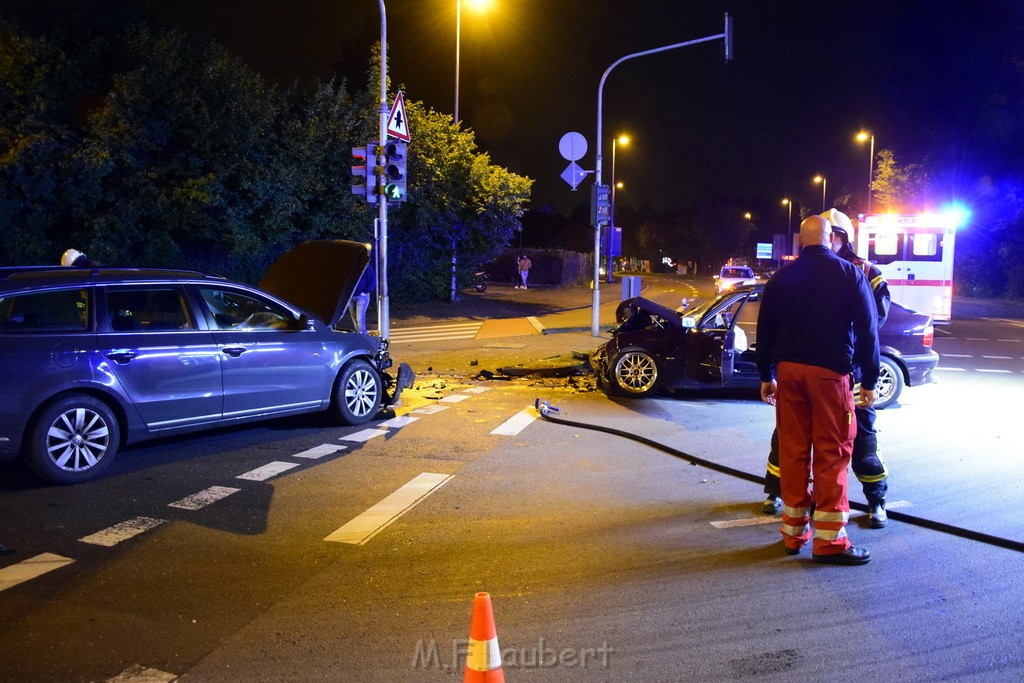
<point x="789" y="226"/>
<point x="622" y="139"/>
<point x="478" y="5"/>
<point x="824" y="183"/>
<point x="861" y="137"/>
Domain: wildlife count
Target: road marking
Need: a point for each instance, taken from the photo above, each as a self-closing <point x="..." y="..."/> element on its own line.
<point x="435" y="332"/>
<point x="320" y="451"/>
<point x="1007" y="372"/>
<point x="365" y="435"/>
<point x="1013" y="341"/>
<point x="746" y="521"/>
<point x="271" y="469"/>
<point x="142" y="674"/>
<point x="476" y="390"/>
<point x="30" y="569"/>
<point x="378" y="517"/>
<point x="517" y="422"/>
<point x="977" y="339"/>
<point x="428" y="410"/>
<point x="956" y="355"/>
<point x="537" y="325"/>
<point x="998" y="357"/>
<point x="951" y="369"/>
<point x="131" y="528"/>
<point x="398" y="422"/>
<point x="454" y="398"/>
<point x="200" y="500"/>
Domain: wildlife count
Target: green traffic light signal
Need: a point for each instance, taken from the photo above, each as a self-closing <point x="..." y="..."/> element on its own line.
<point x="395" y="171"/>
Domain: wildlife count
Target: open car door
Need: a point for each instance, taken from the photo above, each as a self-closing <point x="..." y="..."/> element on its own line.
<point x="711" y="347"/>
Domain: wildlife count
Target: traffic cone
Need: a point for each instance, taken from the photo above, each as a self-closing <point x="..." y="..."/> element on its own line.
<point x="483" y="658"/>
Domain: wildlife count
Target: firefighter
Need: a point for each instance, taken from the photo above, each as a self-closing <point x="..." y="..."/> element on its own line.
<point x="867" y="465"/>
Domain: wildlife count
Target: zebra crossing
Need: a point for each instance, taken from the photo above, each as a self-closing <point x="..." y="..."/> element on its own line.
<point x="423" y="333"/>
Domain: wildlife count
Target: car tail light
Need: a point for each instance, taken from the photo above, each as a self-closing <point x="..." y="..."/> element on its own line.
<point x="928" y="337"/>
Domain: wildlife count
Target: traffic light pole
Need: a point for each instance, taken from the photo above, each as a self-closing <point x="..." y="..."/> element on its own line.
<point x="383" y="301"/>
<point x="726" y="35"/>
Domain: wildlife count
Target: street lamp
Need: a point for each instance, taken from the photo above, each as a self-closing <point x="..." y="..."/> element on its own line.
<point x="789" y="225"/>
<point x="622" y="139"/>
<point x="824" y="184"/>
<point x="478" y="5"/>
<point x="862" y="137"/>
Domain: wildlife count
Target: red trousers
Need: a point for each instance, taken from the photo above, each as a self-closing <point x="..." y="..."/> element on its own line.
<point x="814" y="416"/>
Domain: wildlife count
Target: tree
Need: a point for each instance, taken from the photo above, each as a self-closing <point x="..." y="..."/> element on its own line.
<point x="898" y="188"/>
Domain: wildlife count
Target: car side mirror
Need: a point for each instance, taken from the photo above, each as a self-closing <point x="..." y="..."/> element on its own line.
<point x="689" y="322"/>
<point x="306" y="322"/>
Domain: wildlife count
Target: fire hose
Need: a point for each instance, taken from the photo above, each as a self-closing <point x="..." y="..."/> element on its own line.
<point x="549" y="413"/>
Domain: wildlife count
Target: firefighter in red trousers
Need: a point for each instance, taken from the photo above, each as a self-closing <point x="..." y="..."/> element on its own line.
<point x="867" y="465"/>
<point x="817" y="320"/>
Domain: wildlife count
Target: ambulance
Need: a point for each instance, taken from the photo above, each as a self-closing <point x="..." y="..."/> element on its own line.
<point x="915" y="253"/>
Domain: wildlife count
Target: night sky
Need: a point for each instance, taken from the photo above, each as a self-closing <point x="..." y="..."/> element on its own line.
<point x="923" y="75"/>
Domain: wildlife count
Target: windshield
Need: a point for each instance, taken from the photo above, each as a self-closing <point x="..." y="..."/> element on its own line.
<point x="737" y="272"/>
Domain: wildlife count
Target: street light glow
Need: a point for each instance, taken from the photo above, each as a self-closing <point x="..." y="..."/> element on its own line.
<point x="864" y="136"/>
<point x="824" y="183"/>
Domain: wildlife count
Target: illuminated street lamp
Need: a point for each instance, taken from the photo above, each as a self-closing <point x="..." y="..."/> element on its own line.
<point x="748" y="215"/>
<point x="789" y="224"/>
<point x="862" y="137"/>
<point x="824" y="183"/>
<point x="478" y="5"/>
<point x="624" y="140"/>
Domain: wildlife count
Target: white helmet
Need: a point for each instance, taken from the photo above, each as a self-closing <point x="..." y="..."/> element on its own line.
<point x="840" y="222"/>
<point x="69" y="257"/>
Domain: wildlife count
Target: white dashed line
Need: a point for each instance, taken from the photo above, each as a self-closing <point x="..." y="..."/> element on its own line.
<point x="516" y="423"/>
<point x="365" y="435"/>
<point x="454" y="398"/>
<point x="131" y="528"/>
<point x="378" y="517"/>
<point x="271" y="469"/>
<point x="955" y="355"/>
<point x="537" y="324"/>
<point x="476" y="390"/>
<point x="977" y="339"/>
<point x="997" y="372"/>
<point x="428" y="410"/>
<point x="942" y="369"/>
<point x="30" y="569"/>
<point x="1012" y="341"/>
<point x="998" y="357"/>
<point x="320" y="451"/>
<point x="398" y="422"/>
<point x="200" y="500"/>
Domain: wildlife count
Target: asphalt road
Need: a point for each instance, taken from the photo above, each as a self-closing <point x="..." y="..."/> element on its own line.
<point x="206" y="558"/>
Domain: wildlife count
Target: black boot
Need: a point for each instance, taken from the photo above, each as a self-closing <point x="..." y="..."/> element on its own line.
<point x="877" y="519"/>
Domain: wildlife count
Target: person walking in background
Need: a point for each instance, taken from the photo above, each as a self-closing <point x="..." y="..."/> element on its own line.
<point x="523" y="265"/>
<point x="361" y="297"/>
<point x="817" y="320"/>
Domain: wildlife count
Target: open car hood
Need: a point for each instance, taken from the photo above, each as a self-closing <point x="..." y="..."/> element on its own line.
<point x="651" y="308"/>
<point x="318" y="276"/>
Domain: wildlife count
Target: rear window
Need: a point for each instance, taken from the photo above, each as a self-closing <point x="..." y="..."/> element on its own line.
<point x="62" y="310"/>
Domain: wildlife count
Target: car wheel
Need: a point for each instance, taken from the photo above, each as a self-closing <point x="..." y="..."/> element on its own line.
<point x="636" y="373"/>
<point x="890" y="383"/>
<point x="357" y="393"/>
<point x="73" y="439"/>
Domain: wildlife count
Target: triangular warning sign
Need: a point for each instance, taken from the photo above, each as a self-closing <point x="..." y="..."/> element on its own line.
<point x="398" y="124"/>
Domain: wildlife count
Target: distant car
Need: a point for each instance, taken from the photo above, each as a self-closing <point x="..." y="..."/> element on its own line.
<point x="97" y="358"/>
<point x="712" y="345"/>
<point x="730" y="276"/>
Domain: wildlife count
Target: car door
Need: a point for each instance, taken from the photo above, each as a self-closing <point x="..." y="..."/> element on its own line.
<point x="155" y="348"/>
<point x="710" y="351"/>
<point x="272" y="362"/>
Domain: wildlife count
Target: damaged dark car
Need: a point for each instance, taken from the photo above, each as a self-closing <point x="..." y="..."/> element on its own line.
<point x="96" y="358"/>
<point x="712" y="346"/>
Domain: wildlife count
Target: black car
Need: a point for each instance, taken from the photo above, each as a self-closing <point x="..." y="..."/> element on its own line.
<point x="712" y="345"/>
<point x="95" y="358"/>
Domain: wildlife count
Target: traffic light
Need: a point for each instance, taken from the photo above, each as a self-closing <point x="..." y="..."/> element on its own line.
<point x="395" y="171"/>
<point x="600" y="204"/>
<point x="364" y="178"/>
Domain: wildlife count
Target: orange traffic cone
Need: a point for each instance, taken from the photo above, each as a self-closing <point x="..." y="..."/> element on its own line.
<point x="483" y="658"/>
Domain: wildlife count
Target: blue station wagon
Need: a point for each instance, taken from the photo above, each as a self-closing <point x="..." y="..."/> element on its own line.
<point x="97" y="358"/>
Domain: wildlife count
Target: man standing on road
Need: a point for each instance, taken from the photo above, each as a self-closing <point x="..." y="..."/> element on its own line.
<point x="523" y="266"/>
<point x="867" y="465"/>
<point x="817" y="321"/>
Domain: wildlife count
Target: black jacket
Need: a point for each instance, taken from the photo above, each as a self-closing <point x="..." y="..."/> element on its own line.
<point x="818" y="310"/>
